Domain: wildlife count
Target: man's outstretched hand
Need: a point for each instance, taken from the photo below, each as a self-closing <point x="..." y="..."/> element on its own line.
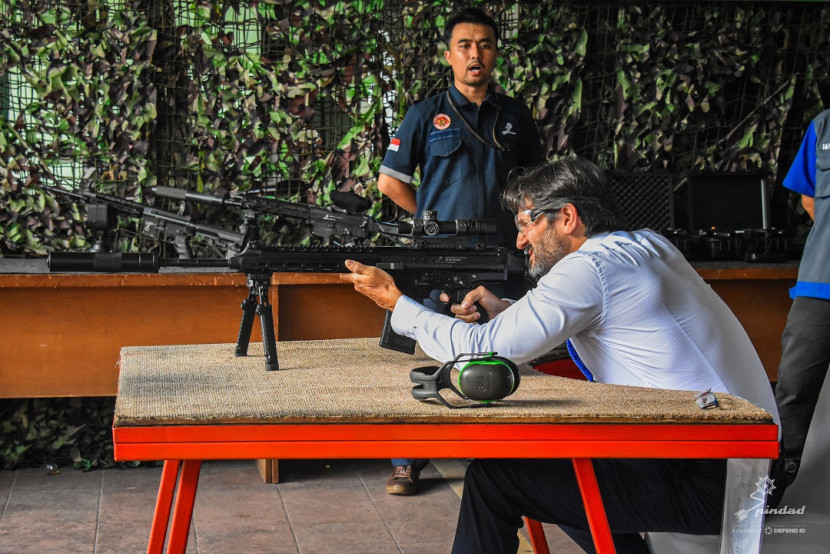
<point x="374" y="283"/>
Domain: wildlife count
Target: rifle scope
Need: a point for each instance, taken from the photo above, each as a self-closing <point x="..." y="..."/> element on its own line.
<point x="430" y="226"/>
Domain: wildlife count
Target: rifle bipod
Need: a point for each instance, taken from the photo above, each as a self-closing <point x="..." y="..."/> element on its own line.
<point x="258" y="303"/>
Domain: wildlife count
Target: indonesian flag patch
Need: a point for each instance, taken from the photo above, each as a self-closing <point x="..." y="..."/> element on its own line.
<point x="441" y="121"/>
<point x="394" y="144"/>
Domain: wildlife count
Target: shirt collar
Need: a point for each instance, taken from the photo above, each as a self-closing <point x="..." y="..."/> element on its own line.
<point x="460" y="100"/>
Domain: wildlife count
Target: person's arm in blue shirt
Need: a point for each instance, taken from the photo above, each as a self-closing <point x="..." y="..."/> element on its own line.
<point x="399" y="192"/>
<point x="801" y="177"/>
<point x="400" y="162"/>
<point x="808" y="202"/>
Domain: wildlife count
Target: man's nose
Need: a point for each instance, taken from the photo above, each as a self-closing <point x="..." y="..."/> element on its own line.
<point x="521" y="240"/>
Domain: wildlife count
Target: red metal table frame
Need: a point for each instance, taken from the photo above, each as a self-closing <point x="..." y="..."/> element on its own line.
<point x="184" y="447"/>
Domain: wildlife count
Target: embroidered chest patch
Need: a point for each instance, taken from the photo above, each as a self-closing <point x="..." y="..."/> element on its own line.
<point x="441" y="121"/>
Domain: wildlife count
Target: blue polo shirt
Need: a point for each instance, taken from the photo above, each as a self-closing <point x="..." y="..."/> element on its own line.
<point x="462" y="176"/>
<point x="809" y="175"/>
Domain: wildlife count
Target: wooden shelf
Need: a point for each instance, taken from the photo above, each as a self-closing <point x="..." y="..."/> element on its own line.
<point x="62" y="333"/>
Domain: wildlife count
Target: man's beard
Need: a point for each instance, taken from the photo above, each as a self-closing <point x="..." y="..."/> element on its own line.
<point x="546" y="254"/>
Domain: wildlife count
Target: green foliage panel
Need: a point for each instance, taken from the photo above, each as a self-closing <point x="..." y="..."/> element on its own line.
<point x="57" y="432"/>
<point x="300" y="97"/>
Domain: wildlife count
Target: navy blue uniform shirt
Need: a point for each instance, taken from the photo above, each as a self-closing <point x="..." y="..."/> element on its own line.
<point x="462" y="176"/>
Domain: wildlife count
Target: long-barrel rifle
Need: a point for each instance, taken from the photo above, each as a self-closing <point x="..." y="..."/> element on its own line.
<point x="343" y="223"/>
<point x="156" y="224"/>
<point x="429" y="262"/>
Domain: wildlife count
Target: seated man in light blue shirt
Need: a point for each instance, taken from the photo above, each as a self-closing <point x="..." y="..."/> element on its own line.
<point x="636" y="313"/>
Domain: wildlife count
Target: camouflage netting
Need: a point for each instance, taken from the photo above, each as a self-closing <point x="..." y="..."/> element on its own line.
<point x="299" y="98"/>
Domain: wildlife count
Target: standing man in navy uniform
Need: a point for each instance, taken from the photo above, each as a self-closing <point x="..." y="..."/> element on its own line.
<point x="806" y="339"/>
<point x="465" y="141"/>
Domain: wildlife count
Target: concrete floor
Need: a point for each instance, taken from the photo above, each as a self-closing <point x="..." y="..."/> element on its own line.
<point x="318" y="506"/>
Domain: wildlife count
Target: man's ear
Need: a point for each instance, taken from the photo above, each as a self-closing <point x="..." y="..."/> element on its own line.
<point x="447" y="55"/>
<point x="570" y="218"/>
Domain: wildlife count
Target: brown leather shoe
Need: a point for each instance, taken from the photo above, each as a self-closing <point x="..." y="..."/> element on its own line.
<point x="403" y="481"/>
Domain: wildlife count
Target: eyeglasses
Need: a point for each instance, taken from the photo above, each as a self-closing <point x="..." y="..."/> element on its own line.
<point x="532" y="215"/>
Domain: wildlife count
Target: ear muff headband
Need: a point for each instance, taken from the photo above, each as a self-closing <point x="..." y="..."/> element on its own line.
<point x="486" y="377"/>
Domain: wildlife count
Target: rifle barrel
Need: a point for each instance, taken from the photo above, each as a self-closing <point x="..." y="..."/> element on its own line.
<point x="122" y="262"/>
<point x="64" y="192"/>
<point x="103" y="262"/>
<point x="188" y="196"/>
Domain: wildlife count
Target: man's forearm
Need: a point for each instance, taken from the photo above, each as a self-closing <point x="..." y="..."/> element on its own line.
<point x="399" y="192"/>
<point x="808" y="202"/>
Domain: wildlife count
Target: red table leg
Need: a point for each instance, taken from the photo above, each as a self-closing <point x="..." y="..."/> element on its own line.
<point x="164" y="501"/>
<point x="183" y="508"/>
<point x="537" y="536"/>
<point x="597" y="520"/>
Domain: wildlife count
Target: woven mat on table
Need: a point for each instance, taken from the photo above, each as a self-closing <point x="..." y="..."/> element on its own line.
<point x="357" y="381"/>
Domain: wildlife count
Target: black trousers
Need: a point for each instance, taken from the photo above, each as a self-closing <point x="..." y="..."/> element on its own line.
<point x="639" y="495"/>
<point x="805" y="357"/>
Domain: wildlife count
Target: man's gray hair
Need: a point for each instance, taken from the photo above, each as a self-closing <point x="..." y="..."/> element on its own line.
<point x="550" y="186"/>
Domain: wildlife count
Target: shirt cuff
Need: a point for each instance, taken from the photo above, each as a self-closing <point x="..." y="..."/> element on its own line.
<point x="404" y="315"/>
<point x="403" y="177"/>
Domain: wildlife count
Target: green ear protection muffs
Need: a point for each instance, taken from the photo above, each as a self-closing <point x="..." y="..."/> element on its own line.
<point x="485" y="377"/>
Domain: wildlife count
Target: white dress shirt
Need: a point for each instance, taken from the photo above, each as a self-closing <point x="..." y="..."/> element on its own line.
<point x="636" y="312"/>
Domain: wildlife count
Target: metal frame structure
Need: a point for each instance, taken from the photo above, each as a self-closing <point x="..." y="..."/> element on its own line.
<point x="184" y="447"/>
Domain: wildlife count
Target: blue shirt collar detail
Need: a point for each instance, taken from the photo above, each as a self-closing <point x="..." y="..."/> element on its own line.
<point x="460" y="100"/>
